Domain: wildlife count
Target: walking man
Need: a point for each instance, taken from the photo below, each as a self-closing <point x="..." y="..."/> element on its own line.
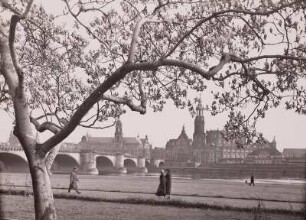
<point x="252" y="180"/>
<point x="74" y="181"/>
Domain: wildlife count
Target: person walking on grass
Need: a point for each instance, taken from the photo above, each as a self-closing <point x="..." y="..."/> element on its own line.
<point x="168" y="183"/>
<point x="74" y="180"/>
<point x="161" y="190"/>
<point x="252" y="180"/>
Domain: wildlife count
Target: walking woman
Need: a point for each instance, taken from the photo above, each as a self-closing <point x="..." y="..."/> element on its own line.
<point x="161" y="190"/>
<point x="168" y="183"/>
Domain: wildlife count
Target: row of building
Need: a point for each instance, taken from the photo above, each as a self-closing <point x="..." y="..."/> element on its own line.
<point x="204" y="149"/>
<point x="211" y="147"/>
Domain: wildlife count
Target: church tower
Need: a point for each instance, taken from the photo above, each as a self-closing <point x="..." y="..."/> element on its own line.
<point x="273" y="143"/>
<point x="119" y="134"/>
<point x="199" y="138"/>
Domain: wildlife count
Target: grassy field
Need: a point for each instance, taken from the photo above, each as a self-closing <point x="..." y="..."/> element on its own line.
<point x="20" y="207"/>
<point x="221" y="193"/>
<point x="291" y="192"/>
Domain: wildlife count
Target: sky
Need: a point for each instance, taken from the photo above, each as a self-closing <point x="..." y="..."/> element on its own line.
<point x="287" y="127"/>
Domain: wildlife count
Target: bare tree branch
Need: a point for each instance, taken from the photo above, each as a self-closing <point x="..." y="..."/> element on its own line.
<point x="46" y="126"/>
<point x="247" y="60"/>
<point x="100" y="127"/>
<point x="14" y="21"/>
<point x="51" y="155"/>
<point x="136" y="32"/>
<point x="152" y="66"/>
<point x="116" y="77"/>
<point x="160" y="5"/>
<point x="83" y="25"/>
<point x="236" y="11"/>
<point x="130" y="66"/>
<point x="125" y="101"/>
<point x="133" y="46"/>
<point x="6" y="5"/>
<point x="84" y="108"/>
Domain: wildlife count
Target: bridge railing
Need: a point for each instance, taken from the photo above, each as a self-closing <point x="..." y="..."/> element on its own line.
<point x="77" y="148"/>
<point x="7" y="147"/>
<point x="71" y="148"/>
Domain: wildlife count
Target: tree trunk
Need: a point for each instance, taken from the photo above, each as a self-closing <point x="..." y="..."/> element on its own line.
<point x="43" y="195"/>
<point x="42" y="191"/>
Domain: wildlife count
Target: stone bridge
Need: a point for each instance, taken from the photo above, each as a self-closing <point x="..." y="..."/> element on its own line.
<point x="69" y="156"/>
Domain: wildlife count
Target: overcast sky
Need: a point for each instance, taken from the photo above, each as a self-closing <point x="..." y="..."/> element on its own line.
<point x="288" y="127"/>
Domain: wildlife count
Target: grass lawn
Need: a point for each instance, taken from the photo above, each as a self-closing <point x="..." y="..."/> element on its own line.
<point x="197" y="187"/>
<point x="234" y="193"/>
<point x="21" y="207"/>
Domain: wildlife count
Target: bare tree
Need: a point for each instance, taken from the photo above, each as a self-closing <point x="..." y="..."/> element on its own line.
<point x="139" y="54"/>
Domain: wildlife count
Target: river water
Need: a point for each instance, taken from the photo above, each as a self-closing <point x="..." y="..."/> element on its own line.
<point x="4" y="177"/>
<point x="284" y="181"/>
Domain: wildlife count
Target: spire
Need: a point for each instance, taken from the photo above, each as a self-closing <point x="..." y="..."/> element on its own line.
<point x="200" y="108"/>
<point x="119" y="133"/>
<point x="199" y="122"/>
<point x="273" y="143"/>
<point x="183" y="134"/>
<point x="199" y="138"/>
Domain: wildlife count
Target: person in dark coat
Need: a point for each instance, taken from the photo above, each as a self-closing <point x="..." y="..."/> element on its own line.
<point x="74" y="181"/>
<point x="168" y="183"/>
<point x="252" y="180"/>
<point x="161" y="190"/>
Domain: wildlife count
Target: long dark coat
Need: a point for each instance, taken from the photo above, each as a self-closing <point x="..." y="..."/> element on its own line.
<point x="252" y="179"/>
<point x="161" y="190"/>
<point x="168" y="183"/>
<point x="74" y="180"/>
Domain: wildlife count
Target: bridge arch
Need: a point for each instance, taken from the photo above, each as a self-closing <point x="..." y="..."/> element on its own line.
<point x="105" y="164"/>
<point x="129" y="162"/>
<point x="161" y="164"/>
<point x="13" y="162"/>
<point x="64" y="163"/>
<point x="148" y="164"/>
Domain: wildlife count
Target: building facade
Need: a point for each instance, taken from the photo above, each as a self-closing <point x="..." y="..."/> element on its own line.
<point x="295" y="156"/>
<point x="177" y="151"/>
<point x="265" y="153"/>
<point x="133" y="146"/>
<point x="211" y="147"/>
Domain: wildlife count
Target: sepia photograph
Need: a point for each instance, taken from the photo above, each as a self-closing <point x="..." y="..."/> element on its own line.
<point x="152" y="109"/>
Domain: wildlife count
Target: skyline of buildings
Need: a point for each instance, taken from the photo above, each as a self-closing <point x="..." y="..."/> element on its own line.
<point x="207" y="147"/>
<point x="210" y="147"/>
<point x="285" y="125"/>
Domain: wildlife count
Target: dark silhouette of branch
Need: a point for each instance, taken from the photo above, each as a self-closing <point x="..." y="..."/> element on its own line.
<point x="8" y="6"/>
<point x="235" y="11"/>
<point x="138" y="108"/>
<point x="46" y="126"/>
